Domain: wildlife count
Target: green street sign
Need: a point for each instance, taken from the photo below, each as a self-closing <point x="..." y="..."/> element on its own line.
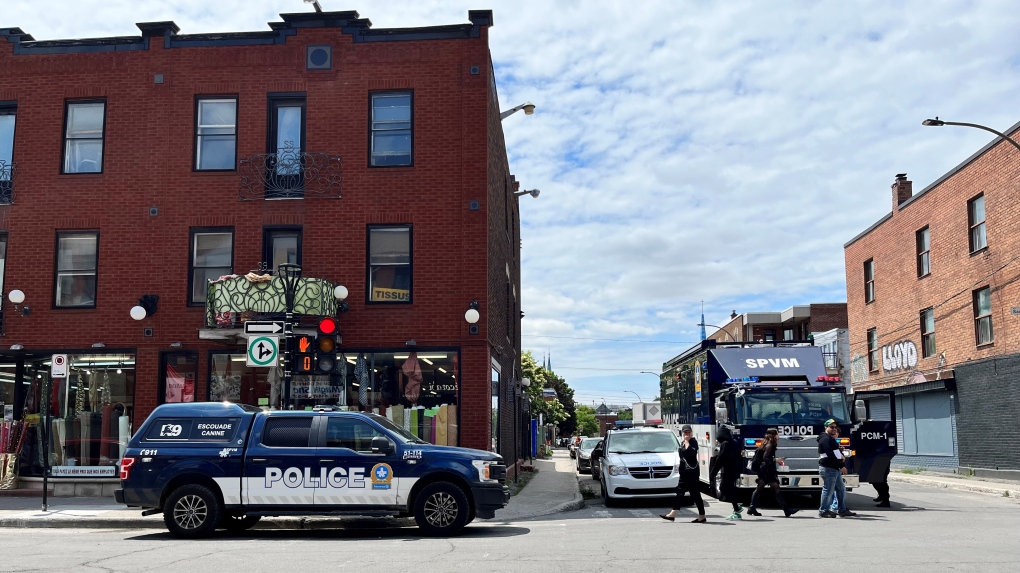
<point x="263" y="350"/>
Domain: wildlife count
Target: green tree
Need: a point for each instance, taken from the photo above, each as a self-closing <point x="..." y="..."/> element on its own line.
<point x="587" y="425"/>
<point x="541" y="379"/>
<point x="625" y="414"/>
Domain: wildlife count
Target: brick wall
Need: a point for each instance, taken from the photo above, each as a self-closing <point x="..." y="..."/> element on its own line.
<point x="988" y="392"/>
<point x="955" y="272"/>
<point x="149" y="146"/>
<point x="827" y="316"/>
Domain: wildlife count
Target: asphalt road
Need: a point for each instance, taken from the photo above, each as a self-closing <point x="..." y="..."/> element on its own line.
<point x="926" y="530"/>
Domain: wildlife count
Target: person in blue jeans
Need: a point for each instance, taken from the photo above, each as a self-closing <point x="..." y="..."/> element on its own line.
<point x="832" y="467"/>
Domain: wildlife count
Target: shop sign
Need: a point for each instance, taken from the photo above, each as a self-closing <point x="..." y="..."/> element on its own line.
<point x="83" y="471"/>
<point x="391" y="294"/>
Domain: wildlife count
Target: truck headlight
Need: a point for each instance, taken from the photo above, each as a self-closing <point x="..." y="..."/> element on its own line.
<point x="483" y="470"/>
<point x="618" y="470"/>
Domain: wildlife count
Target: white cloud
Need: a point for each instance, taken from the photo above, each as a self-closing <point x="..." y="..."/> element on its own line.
<point x="686" y="151"/>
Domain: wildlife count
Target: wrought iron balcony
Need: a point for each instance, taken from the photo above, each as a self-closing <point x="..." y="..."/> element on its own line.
<point x="290" y="174"/>
<point x="7" y="173"/>
<point x="234" y="300"/>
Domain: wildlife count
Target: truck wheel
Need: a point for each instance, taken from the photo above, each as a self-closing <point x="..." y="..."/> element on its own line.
<point x="192" y="511"/>
<point x="237" y="523"/>
<point x="441" y="509"/>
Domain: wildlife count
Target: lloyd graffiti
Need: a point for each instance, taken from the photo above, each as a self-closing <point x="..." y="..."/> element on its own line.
<point x="899" y="356"/>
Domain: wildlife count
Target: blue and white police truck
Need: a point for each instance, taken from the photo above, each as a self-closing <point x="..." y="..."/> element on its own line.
<point x="749" y="387"/>
<point x="222" y="465"/>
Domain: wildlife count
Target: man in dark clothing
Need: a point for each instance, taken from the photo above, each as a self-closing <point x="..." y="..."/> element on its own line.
<point x="882" y="487"/>
<point x="729" y="462"/>
<point x="832" y="467"/>
<point x="690" y="476"/>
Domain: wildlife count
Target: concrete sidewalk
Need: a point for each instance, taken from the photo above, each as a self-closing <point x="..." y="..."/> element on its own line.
<point x="1001" y="488"/>
<point x="552" y="489"/>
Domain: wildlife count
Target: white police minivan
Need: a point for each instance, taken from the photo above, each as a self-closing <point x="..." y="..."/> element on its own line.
<point x="638" y="463"/>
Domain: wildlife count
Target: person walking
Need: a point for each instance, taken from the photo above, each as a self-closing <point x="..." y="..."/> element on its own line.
<point x="765" y="459"/>
<point x="690" y="477"/>
<point x="832" y="467"/>
<point x="882" y="487"/>
<point x="729" y="462"/>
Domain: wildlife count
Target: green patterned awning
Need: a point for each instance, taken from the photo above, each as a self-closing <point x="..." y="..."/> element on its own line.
<point x="262" y="297"/>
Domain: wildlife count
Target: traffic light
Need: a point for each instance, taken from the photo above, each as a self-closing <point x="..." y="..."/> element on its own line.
<point x="326" y="346"/>
<point x="304" y="354"/>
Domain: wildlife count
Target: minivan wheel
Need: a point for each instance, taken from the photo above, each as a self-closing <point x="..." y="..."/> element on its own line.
<point x="192" y="511"/>
<point x="609" y="501"/>
<point x="441" y="509"/>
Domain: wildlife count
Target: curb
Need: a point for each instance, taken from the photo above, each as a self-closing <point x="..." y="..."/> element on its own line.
<point x="1014" y="493"/>
<point x="306" y="523"/>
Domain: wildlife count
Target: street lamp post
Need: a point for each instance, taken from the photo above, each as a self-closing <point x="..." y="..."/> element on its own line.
<point x="939" y="123"/>
<point x="719" y="328"/>
<point x="291" y="276"/>
<point x="528" y="107"/>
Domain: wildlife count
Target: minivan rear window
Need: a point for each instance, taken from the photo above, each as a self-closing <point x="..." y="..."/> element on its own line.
<point x="193" y="430"/>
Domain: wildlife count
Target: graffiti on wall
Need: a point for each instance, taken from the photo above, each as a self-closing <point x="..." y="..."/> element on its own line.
<point x="859" y="369"/>
<point x="899" y="356"/>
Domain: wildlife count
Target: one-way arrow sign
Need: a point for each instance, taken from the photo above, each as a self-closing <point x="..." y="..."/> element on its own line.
<point x="252" y="327"/>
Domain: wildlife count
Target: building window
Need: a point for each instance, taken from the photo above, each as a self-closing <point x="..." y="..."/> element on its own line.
<point x="8" y="115"/>
<point x="495" y="411"/>
<point x="928" y="332"/>
<point x="281" y="246"/>
<point x="83" y="137"/>
<point x="216" y="134"/>
<point x="923" y="252"/>
<point x="976" y="221"/>
<point x="983" y="316"/>
<point x="212" y="256"/>
<point x="77" y="259"/>
<point x="178" y="373"/>
<point x="869" y="281"/>
<point x="788" y="334"/>
<point x="391" y="129"/>
<point x="770" y="335"/>
<point x="389" y="264"/>
<point x="872" y="349"/>
<point x="286" y="144"/>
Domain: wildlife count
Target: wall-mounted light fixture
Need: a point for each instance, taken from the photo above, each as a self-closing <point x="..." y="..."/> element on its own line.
<point x="528" y="107"/>
<point x="147" y="305"/>
<point x="98" y="345"/>
<point x="17" y="346"/>
<point x="176" y="345"/>
<point x="525" y="382"/>
<point x="17" y="297"/>
<point x="340" y="293"/>
<point x="472" y="316"/>
<point x="534" y="193"/>
<point x="411" y="342"/>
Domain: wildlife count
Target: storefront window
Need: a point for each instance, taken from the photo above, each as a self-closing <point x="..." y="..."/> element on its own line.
<point x="495" y="410"/>
<point x="89" y="414"/>
<point x="7" y="371"/>
<point x="231" y="380"/>
<point x="177" y="377"/>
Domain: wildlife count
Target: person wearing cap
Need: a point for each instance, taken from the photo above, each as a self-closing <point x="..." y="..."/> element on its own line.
<point x="690" y="476"/>
<point x="832" y="468"/>
<point x="768" y="476"/>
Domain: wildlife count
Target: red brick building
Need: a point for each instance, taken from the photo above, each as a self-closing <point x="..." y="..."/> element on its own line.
<point x="146" y="166"/>
<point x="932" y="294"/>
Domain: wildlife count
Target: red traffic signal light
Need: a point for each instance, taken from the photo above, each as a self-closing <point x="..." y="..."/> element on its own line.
<point x="325" y="352"/>
<point x="328" y="325"/>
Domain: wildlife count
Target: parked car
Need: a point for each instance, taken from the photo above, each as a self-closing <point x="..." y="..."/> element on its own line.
<point x="573" y="446"/>
<point x="638" y="463"/>
<point x="584" y="453"/>
<point x="596" y="457"/>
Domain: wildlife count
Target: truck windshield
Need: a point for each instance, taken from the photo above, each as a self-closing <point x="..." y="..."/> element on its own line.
<point x="643" y="442"/>
<point x="775" y="408"/>
<point x="401" y="434"/>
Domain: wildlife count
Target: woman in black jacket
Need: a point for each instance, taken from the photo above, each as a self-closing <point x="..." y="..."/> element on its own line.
<point x="728" y="461"/>
<point x="690" y="476"/>
<point x="767" y="474"/>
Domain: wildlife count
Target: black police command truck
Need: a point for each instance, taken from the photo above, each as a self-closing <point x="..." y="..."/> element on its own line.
<point x="221" y="465"/>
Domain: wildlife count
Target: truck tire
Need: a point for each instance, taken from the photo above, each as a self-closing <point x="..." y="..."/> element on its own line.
<point x="237" y="523"/>
<point x="192" y="511"/>
<point x="441" y="509"/>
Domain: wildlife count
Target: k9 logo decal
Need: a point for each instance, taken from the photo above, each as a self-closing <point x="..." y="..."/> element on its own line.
<point x="796" y="430"/>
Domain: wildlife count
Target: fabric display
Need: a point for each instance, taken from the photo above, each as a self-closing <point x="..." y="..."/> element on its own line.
<point x="451" y="425"/>
<point x="413" y="422"/>
<point x="361" y="373"/>
<point x="411" y="369"/>
<point x="442" y="421"/>
<point x="429" y="426"/>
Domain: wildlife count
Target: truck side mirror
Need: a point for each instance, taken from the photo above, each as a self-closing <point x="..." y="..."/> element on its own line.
<point x="861" y="410"/>
<point x="381" y="445"/>
<point x="722" y="414"/>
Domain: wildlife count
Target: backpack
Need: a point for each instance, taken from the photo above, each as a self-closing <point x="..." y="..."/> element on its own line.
<point x="759" y="455"/>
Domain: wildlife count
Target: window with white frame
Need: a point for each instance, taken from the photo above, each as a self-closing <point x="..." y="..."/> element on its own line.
<point x="872" y="349"/>
<point x="976" y="221"/>
<point x="983" y="316"/>
<point x="216" y="134"/>
<point x="212" y="256"/>
<point x="928" y="332"/>
<point x="923" y="252"/>
<point x="869" y="280"/>
<point x="83" y="137"/>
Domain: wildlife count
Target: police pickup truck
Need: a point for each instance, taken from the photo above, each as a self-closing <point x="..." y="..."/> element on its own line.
<point x="221" y="465"/>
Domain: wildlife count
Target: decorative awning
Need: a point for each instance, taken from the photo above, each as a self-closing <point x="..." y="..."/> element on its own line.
<point x="231" y="300"/>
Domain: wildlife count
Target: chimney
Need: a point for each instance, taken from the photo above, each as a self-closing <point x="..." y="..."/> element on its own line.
<point x="902" y="189"/>
<point x="733" y="315"/>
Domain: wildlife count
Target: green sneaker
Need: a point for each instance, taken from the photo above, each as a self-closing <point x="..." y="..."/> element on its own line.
<point x="734" y="516"/>
<point x="740" y="508"/>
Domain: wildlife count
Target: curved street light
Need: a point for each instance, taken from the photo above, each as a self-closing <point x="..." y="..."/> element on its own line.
<point x="939" y="123"/>
<point x="719" y="328"/>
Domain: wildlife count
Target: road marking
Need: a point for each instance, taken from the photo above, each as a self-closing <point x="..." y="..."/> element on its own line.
<point x="641" y="513"/>
<point x="602" y="513"/>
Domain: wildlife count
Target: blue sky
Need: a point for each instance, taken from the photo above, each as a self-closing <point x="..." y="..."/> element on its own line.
<point x="686" y="151"/>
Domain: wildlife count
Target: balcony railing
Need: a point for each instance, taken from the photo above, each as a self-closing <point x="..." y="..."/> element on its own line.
<point x="7" y="173"/>
<point x="232" y="301"/>
<point x="831" y="359"/>
<point x="290" y="174"/>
